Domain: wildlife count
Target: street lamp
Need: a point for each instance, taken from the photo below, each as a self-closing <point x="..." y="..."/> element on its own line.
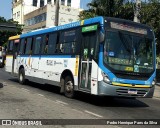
<point x="137" y="11"/>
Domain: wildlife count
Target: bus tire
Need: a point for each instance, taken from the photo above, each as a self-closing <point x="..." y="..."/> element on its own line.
<point x="68" y="87"/>
<point x="21" y="76"/>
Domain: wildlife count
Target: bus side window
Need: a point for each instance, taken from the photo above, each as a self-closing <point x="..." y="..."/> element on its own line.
<point x="16" y="46"/>
<point x="22" y="46"/>
<point x="52" y="43"/>
<point x="67" y="47"/>
<point x="10" y="47"/>
<point x="68" y="41"/>
<point x="46" y="44"/>
<point x="37" y="45"/>
<point x="28" y="49"/>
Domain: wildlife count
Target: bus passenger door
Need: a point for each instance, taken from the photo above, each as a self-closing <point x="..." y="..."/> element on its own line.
<point x="87" y="49"/>
<point x="15" y="61"/>
<point x="9" y="56"/>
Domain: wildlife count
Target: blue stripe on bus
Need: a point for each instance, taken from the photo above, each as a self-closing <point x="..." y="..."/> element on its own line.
<point x="48" y="56"/>
<point x="98" y="19"/>
<point x="113" y="77"/>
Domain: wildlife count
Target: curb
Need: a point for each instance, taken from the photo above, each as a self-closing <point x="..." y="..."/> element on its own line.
<point x="157" y="91"/>
<point x="158" y="84"/>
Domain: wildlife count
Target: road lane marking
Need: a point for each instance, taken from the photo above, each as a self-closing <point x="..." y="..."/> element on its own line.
<point x="93" y="114"/>
<point x="4" y="83"/>
<point x="40" y="95"/>
<point x="77" y="111"/>
<point x="25" y="89"/>
<point x="61" y="102"/>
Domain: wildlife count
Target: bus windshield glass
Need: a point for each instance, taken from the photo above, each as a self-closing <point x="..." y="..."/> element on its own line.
<point x="128" y="52"/>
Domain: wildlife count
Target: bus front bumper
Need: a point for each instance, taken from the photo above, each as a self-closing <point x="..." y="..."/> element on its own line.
<point x="105" y="89"/>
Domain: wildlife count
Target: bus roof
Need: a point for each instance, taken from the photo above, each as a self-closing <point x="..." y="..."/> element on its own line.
<point x="14" y="37"/>
<point x="98" y="19"/>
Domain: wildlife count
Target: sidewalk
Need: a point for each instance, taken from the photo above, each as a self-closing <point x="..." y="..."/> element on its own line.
<point x="157" y="91"/>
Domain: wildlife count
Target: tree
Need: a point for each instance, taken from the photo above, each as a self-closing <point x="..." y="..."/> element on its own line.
<point x="110" y="8"/>
<point x="150" y="15"/>
<point x="6" y="34"/>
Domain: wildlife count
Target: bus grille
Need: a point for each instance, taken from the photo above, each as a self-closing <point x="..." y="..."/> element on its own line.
<point x="124" y="92"/>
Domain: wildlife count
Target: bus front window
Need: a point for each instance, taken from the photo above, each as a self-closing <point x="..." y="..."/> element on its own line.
<point x="128" y="52"/>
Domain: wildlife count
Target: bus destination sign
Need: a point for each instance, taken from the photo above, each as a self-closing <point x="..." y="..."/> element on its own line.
<point x="90" y="28"/>
<point x="128" y="28"/>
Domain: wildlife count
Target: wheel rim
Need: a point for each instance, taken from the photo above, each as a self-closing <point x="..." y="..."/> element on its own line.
<point x="69" y="87"/>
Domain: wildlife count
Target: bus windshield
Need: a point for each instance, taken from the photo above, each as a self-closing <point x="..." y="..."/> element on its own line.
<point x="128" y="52"/>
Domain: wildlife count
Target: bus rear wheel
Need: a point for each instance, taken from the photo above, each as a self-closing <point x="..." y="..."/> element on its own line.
<point x="69" y="87"/>
<point x="21" y="76"/>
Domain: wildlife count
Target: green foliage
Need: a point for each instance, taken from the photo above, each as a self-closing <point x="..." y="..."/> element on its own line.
<point x="150" y="15"/>
<point x="6" y="34"/>
<point x="110" y="8"/>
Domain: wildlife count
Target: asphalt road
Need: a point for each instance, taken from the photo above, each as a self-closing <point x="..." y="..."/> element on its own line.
<point x="36" y="101"/>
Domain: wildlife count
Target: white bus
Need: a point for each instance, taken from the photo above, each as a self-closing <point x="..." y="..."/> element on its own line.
<point x="2" y="57"/>
<point x="100" y="56"/>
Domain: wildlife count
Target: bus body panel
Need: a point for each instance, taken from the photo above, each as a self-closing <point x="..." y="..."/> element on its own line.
<point x="8" y="66"/>
<point x="94" y="78"/>
<point x="48" y="68"/>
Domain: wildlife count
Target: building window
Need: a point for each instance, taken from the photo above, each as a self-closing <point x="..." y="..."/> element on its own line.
<point x="68" y="2"/>
<point x="14" y="16"/>
<point x="18" y="14"/>
<point x="41" y="3"/>
<point x="36" y="19"/>
<point x="35" y="3"/>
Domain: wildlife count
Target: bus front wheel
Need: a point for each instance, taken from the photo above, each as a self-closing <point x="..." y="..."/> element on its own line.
<point x="69" y="87"/>
<point x="21" y="76"/>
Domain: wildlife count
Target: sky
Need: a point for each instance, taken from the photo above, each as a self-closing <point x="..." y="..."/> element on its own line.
<point x="6" y="7"/>
<point x="84" y="3"/>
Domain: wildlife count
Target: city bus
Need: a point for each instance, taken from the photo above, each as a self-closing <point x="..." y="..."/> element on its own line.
<point x="1" y="57"/>
<point x="11" y="56"/>
<point x="101" y="56"/>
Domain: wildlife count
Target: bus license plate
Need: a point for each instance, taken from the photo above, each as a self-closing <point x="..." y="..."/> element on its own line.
<point x="132" y="92"/>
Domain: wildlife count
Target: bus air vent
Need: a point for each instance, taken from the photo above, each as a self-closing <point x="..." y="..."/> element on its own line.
<point x="124" y="92"/>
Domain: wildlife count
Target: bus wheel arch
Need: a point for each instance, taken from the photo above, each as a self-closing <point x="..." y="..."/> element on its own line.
<point x="67" y="83"/>
<point x="21" y="75"/>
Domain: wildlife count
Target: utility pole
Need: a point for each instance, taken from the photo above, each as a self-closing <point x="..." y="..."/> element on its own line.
<point x="137" y="11"/>
<point x="56" y="13"/>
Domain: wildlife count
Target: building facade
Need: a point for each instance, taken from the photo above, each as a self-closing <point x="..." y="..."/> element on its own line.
<point x="35" y="14"/>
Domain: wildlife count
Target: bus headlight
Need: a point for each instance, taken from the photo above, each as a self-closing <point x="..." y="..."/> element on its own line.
<point x="105" y="78"/>
<point x="154" y="82"/>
